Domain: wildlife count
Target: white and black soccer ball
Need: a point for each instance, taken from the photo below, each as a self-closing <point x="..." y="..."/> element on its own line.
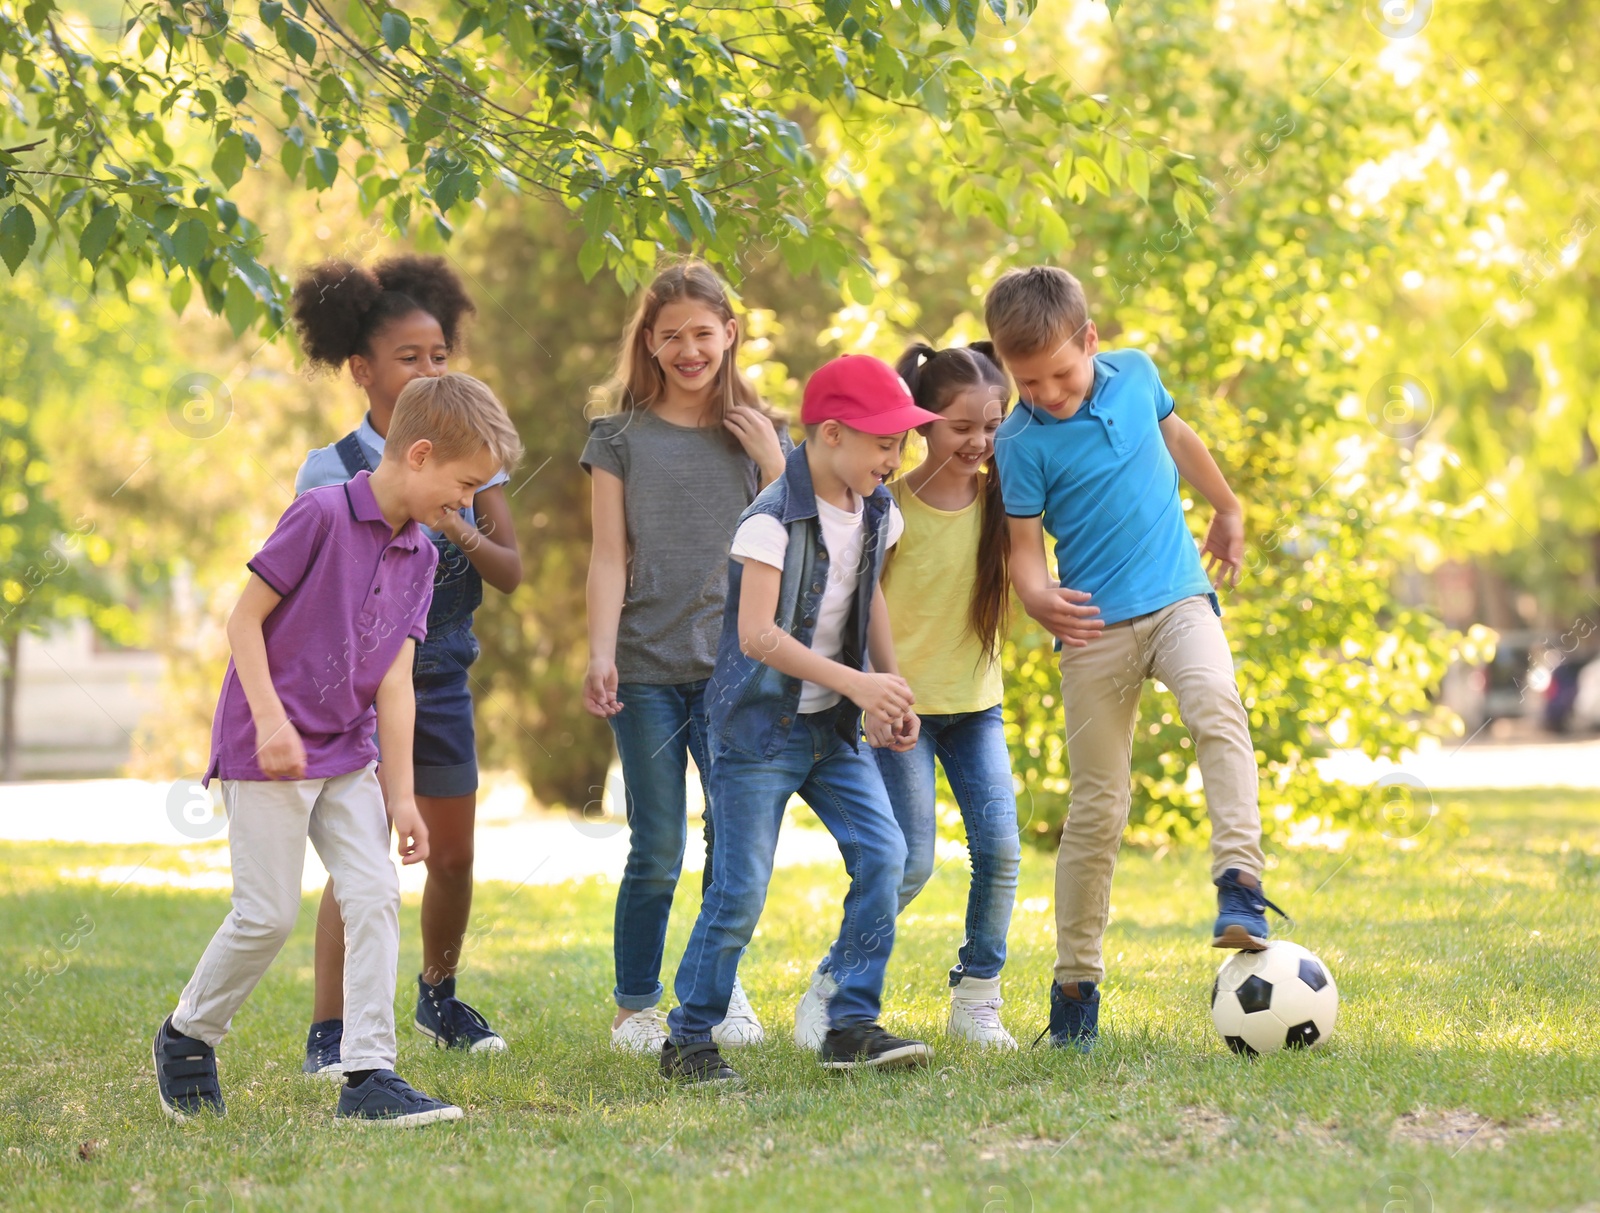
<point x="1281" y="998"/>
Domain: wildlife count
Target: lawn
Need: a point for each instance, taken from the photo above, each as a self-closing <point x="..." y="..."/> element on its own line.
<point x="1461" y="1076"/>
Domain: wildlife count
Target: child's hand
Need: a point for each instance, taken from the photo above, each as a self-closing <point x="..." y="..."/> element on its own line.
<point x="1223" y="551"/>
<point x="600" y="688"/>
<point x="906" y="732"/>
<point x="279" y="751"/>
<point x="885" y="698"/>
<point x="410" y="828"/>
<point x="756" y="435"/>
<point x="1066" y="615"/>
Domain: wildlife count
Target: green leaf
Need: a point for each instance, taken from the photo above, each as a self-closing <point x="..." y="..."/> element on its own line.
<point x="396" y="29"/>
<point x="1139" y="173"/>
<point x="239" y="306"/>
<point x="228" y="163"/>
<point x="704" y="209"/>
<point x="300" y="41"/>
<point x="17" y="233"/>
<point x="292" y="156"/>
<point x="97" y="234"/>
<point x="190" y="243"/>
<point x="669" y="178"/>
<point x="235" y="88"/>
<point x="270" y="12"/>
<point x="591" y="257"/>
<point x="181" y="290"/>
<point x="327" y="161"/>
<point x="1189" y="206"/>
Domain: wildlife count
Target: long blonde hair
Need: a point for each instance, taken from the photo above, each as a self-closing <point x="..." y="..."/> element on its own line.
<point x="639" y="382"/>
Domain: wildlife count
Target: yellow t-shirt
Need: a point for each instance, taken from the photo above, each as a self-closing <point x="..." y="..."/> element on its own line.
<point x="928" y="587"/>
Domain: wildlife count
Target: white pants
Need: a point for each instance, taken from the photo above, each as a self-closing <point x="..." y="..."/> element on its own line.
<point x="268" y="823"/>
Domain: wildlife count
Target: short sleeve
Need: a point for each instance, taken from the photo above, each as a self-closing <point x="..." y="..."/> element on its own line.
<point x="603" y="449"/>
<point x="897" y="524"/>
<point x="762" y="538"/>
<point x="322" y="467"/>
<point x="293" y="545"/>
<point x="1165" y="404"/>
<point x="500" y="477"/>
<point x="1021" y="475"/>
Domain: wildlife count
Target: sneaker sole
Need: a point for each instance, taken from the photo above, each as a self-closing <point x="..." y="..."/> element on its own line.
<point x="489" y="1044"/>
<point x="905" y="1057"/>
<point x="1239" y="939"/>
<point x="412" y="1120"/>
<point x="1003" y="1043"/>
<point x="328" y="1073"/>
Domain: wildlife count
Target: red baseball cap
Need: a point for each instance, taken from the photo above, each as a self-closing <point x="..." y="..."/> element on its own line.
<point x="864" y="393"/>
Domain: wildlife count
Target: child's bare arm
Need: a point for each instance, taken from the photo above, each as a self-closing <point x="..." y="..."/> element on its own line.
<point x="606" y="588"/>
<point x="884" y="696"/>
<point x="1224" y="545"/>
<point x="491" y="545"/>
<point x="1065" y="614"/>
<point x="397" y="720"/>
<point x="279" y="751"/>
<point x="901" y="735"/>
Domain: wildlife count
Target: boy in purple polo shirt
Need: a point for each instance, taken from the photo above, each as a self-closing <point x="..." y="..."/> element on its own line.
<point x="323" y="639"/>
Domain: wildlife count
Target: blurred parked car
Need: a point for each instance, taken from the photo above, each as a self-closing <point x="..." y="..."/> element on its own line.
<point x="1561" y="692"/>
<point x="1496" y="690"/>
<point x="1586" y="697"/>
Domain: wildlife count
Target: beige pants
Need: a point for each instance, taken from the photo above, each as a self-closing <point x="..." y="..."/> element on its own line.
<point x="268" y="823"/>
<point x="1183" y="646"/>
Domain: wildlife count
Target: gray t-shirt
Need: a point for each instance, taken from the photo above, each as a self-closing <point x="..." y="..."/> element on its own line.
<point x="683" y="490"/>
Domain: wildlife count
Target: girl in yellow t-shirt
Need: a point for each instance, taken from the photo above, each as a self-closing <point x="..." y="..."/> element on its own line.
<point x="946" y="589"/>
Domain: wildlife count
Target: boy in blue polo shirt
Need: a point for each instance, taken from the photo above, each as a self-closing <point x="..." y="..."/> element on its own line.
<point x="1092" y="454"/>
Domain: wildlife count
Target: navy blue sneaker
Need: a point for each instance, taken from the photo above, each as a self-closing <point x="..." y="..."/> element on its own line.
<point x="322" y="1049"/>
<point x="1074" y="1022"/>
<point x="1242" y="913"/>
<point x="450" y="1023"/>
<point x="386" y="1098"/>
<point x="186" y="1074"/>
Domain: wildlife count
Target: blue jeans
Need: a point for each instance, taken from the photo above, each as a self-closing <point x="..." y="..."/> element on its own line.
<point x="657" y="729"/>
<point x="971" y="746"/>
<point x="844" y="788"/>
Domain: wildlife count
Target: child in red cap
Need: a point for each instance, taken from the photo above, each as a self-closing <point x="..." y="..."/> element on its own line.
<point x="805" y="650"/>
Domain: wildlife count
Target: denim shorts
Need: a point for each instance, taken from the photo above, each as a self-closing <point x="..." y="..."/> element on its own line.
<point x="444" y="747"/>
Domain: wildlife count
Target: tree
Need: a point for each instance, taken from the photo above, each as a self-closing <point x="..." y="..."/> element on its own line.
<point x="659" y="127"/>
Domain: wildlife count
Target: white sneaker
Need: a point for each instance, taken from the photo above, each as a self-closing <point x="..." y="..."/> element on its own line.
<point x="642" y="1032"/>
<point x="811" y="1016"/>
<point x="740" y="1026"/>
<point x="975" y="1013"/>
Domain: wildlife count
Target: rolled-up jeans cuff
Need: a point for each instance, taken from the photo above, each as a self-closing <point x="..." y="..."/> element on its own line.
<point x="638" y="1002"/>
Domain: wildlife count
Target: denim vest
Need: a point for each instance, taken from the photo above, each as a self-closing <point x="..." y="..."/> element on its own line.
<point x="752" y="706"/>
<point x="457" y="586"/>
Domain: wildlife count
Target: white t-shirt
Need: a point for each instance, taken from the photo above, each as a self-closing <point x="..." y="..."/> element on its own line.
<point x="764" y="538"/>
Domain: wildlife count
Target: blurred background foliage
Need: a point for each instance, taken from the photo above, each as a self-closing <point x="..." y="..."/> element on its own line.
<point x="1373" y="305"/>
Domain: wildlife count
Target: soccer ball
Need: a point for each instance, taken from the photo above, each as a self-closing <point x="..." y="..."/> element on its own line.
<point x="1281" y="998"/>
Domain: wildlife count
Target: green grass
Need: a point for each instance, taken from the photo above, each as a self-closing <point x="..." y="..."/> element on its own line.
<point x="1463" y="1069"/>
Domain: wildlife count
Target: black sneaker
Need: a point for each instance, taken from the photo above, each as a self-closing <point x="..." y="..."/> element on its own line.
<point x="697" y="1064"/>
<point x="1074" y="1021"/>
<point x="386" y="1098"/>
<point x="867" y="1044"/>
<point x="186" y="1074"/>
<point x="452" y="1024"/>
<point x="322" y="1049"/>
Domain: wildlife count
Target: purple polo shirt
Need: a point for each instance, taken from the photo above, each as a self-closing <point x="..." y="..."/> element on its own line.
<point x="352" y="594"/>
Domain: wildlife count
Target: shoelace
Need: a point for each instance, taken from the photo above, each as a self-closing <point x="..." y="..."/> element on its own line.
<point x="461" y="1020"/>
<point x="327" y="1044"/>
<point x="1258" y="900"/>
<point x="985" y="1013"/>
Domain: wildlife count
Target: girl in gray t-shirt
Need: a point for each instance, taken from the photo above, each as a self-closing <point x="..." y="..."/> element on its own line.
<point x="685" y="448"/>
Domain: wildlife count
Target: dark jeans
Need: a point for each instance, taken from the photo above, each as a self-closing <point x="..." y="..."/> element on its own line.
<point x="844" y="788"/>
<point x="657" y="730"/>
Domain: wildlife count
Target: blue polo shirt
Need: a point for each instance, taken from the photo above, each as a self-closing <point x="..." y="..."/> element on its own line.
<point x="1108" y="490"/>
